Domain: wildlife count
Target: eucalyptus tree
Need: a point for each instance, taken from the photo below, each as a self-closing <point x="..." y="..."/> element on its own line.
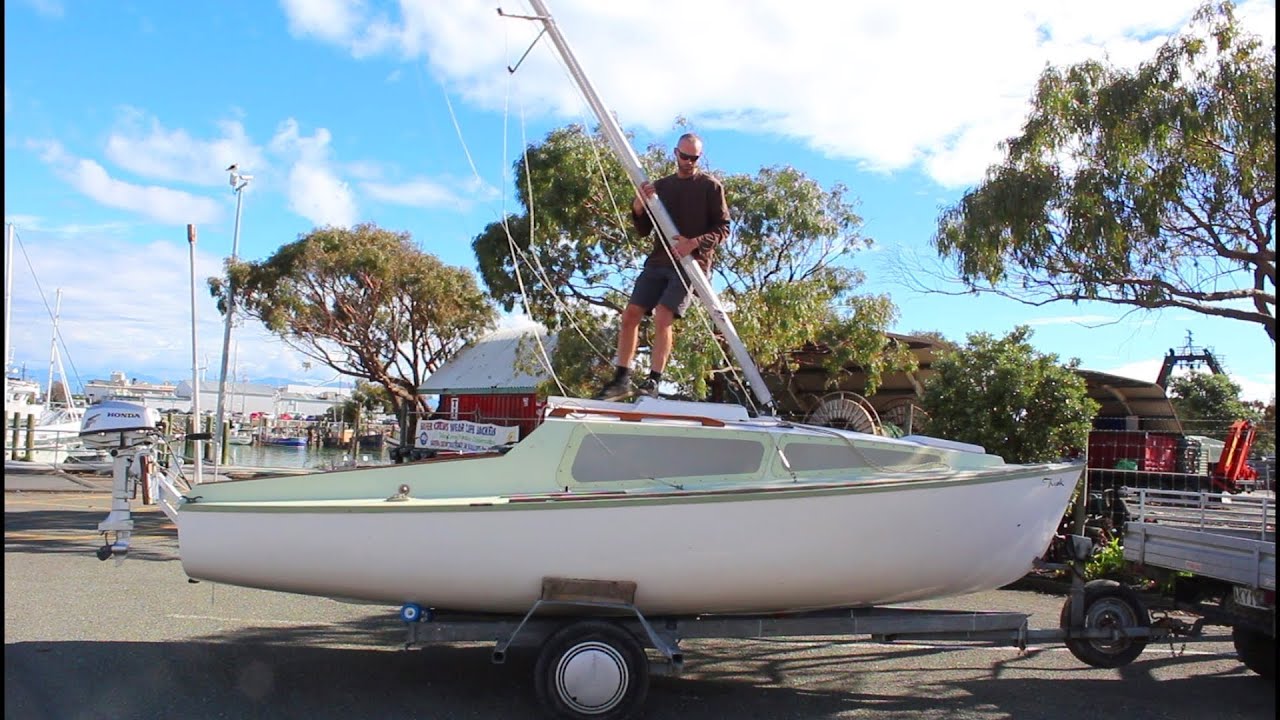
<point x="366" y="302"/>
<point x="570" y="257"/>
<point x="1149" y="188"/>
<point x="1208" y="403"/>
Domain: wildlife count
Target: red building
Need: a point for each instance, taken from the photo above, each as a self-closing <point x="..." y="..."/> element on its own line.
<point x="494" y="380"/>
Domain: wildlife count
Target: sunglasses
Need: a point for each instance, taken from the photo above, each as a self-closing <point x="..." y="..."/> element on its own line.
<point x="686" y="156"/>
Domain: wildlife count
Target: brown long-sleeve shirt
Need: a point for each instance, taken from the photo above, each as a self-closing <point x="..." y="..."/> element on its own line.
<point x="699" y="210"/>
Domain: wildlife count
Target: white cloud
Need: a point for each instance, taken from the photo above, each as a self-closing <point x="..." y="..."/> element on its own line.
<point x="315" y="191"/>
<point x="130" y="310"/>
<point x="887" y="85"/>
<point x="162" y="204"/>
<point x="332" y="20"/>
<point x="319" y="196"/>
<point x="141" y="145"/>
<point x="415" y="193"/>
<point x="427" y="193"/>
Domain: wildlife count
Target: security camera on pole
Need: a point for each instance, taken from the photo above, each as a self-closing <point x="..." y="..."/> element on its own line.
<point x="238" y="184"/>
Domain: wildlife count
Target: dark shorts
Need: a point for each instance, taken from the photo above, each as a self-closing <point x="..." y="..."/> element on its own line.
<point x="662" y="286"/>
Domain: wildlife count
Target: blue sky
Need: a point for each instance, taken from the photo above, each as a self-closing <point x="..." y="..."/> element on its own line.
<point x="120" y="119"/>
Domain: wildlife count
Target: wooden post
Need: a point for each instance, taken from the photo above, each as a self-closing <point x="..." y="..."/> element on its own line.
<point x="161" y="449"/>
<point x="225" y="444"/>
<point x="31" y="438"/>
<point x="13" y="444"/>
<point x="208" y="427"/>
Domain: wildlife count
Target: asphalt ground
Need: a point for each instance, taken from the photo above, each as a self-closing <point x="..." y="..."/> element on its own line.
<point x="89" y="639"/>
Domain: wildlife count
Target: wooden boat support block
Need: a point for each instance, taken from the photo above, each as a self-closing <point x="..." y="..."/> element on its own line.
<point x="580" y="590"/>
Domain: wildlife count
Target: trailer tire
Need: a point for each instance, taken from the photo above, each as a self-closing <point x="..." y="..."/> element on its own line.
<point x="593" y="670"/>
<point x="1256" y="650"/>
<point x="1108" y="604"/>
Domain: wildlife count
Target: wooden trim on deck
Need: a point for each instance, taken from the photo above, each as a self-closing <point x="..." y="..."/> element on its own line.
<point x="629" y="416"/>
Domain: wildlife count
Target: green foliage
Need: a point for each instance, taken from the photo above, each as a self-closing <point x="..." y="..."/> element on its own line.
<point x="584" y="334"/>
<point x="1012" y="400"/>
<point x="1208" y="403"/>
<point x="1107" y="562"/>
<point x="573" y="240"/>
<point x="366" y="399"/>
<point x="1148" y="188"/>
<point x="1265" y="441"/>
<point x="779" y="274"/>
<point x="365" y="301"/>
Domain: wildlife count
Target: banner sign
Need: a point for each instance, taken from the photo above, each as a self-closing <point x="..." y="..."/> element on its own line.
<point x="462" y="436"/>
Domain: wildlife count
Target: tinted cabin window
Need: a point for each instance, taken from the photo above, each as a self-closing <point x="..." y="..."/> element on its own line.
<point x="605" y="457"/>
<point x="810" y="456"/>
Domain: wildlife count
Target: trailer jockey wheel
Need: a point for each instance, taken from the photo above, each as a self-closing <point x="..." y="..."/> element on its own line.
<point x="592" y="669"/>
<point x="1108" y="605"/>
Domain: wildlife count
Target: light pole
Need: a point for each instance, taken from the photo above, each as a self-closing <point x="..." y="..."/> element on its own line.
<point x="197" y="448"/>
<point x="238" y="184"/>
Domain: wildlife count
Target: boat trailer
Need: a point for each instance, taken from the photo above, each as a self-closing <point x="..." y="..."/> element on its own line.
<point x="598" y="650"/>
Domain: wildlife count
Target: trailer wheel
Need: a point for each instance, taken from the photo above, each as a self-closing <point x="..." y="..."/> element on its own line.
<point x="1108" y="604"/>
<point x="592" y="669"/>
<point x="1256" y="650"/>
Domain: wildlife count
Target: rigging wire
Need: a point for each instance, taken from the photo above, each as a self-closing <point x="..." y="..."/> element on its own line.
<point x="518" y="256"/>
<point x="49" y="311"/>
<point x="536" y="262"/>
<point x="666" y="246"/>
<point x="531" y="260"/>
<point x="501" y="213"/>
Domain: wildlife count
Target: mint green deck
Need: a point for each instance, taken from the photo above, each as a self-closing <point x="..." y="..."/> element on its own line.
<point x="543" y="465"/>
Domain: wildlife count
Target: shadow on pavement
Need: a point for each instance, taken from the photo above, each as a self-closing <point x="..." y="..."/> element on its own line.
<point x="267" y="672"/>
<point x="76" y="532"/>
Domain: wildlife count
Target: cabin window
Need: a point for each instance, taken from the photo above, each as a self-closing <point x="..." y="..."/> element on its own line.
<point x="836" y="455"/>
<point x="609" y="457"/>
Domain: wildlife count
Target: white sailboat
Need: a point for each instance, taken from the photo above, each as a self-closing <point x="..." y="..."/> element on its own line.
<point x="37" y="428"/>
<point x="705" y="507"/>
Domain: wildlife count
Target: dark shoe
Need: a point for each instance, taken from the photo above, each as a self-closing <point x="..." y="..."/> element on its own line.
<point x="648" y="387"/>
<point x="616" y="389"/>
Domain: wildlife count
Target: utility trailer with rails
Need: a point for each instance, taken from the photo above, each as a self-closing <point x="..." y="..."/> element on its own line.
<point x="1220" y="550"/>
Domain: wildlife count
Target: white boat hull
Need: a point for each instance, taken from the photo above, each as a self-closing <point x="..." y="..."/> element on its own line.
<point x="859" y="544"/>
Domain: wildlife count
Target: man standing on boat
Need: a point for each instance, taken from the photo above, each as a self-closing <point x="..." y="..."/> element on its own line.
<point x="696" y="203"/>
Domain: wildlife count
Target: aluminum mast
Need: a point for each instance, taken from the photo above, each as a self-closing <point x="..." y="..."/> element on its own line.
<point x="627" y="156"/>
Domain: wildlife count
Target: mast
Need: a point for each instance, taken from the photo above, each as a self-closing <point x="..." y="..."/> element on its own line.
<point x="627" y="156"/>
<point x="195" y="370"/>
<point x="238" y="183"/>
<point x="8" y="304"/>
<point x="53" y="350"/>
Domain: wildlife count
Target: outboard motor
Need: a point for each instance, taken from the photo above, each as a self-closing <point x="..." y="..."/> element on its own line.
<point x="118" y="425"/>
<point x="128" y="430"/>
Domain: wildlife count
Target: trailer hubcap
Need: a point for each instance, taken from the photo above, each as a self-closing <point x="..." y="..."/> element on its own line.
<point x="592" y="677"/>
<point x="1114" y="614"/>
